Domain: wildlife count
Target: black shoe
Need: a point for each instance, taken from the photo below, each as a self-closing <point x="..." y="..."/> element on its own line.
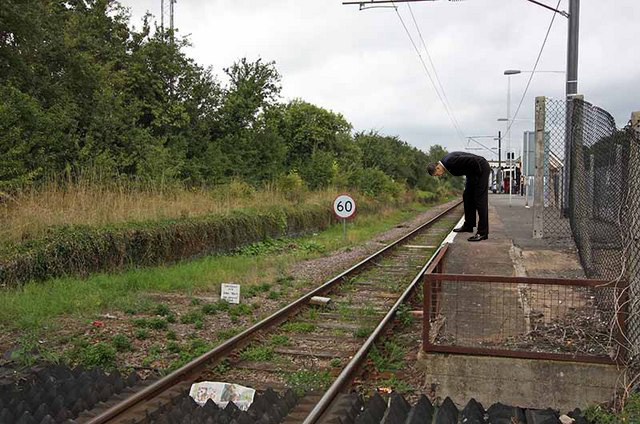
<point x="478" y="237"/>
<point x="463" y="229"/>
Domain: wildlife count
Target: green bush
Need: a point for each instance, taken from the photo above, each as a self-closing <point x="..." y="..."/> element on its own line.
<point x="373" y="182"/>
<point x="79" y="250"/>
<point x="192" y="317"/>
<point x="162" y="310"/>
<point x="291" y="185"/>
<point x="100" y="355"/>
<point x="426" y="196"/>
<point x="629" y="414"/>
<point x="158" y="324"/>
<point x="319" y="169"/>
<point x="121" y="342"/>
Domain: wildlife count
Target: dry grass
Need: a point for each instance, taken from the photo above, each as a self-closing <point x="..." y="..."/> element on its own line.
<point x="28" y="213"/>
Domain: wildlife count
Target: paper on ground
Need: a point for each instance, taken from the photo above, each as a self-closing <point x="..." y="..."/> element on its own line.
<point x="222" y="394"/>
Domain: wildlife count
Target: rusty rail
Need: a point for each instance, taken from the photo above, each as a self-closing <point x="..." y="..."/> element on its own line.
<point x="348" y="372"/>
<point x="190" y="371"/>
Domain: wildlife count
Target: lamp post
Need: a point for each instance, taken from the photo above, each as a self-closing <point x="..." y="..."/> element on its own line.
<point x="509" y="120"/>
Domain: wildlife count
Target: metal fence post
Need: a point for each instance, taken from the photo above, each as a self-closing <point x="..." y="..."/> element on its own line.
<point x="632" y="252"/>
<point x="538" y="185"/>
<point x="579" y="207"/>
<point x="591" y="185"/>
<point x="426" y="312"/>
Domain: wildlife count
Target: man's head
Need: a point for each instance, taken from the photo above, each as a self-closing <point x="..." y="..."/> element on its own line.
<point x="435" y="169"/>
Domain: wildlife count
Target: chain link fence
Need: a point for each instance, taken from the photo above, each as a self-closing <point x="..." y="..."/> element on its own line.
<point x="592" y="193"/>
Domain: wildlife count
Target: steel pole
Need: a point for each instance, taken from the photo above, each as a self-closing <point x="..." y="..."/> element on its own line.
<point x="509" y="135"/>
<point x="572" y="47"/>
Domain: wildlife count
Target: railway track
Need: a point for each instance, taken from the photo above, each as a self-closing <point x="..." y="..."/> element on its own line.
<point x="308" y="353"/>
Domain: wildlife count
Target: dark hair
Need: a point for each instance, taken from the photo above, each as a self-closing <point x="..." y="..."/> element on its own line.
<point x="431" y="168"/>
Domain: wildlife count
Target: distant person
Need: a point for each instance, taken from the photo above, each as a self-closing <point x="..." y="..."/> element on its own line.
<point x="476" y="189"/>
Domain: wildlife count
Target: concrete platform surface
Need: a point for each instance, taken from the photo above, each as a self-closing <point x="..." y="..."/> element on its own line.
<point x="491" y="315"/>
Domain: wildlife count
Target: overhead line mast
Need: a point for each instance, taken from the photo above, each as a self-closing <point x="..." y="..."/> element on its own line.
<point x="166" y="15"/>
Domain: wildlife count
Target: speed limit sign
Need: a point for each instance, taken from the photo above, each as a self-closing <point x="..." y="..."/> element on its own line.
<point x="344" y="206"/>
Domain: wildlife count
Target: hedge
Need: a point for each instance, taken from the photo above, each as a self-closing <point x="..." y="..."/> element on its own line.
<point x="80" y="250"/>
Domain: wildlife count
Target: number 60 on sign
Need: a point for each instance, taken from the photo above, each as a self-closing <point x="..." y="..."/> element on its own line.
<point x="344" y="206"/>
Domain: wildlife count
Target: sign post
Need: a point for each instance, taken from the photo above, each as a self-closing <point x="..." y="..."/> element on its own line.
<point x="344" y="207"/>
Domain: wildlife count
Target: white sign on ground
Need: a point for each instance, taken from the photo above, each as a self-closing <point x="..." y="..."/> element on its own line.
<point x="344" y="206"/>
<point x="222" y="394"/>
<point x="230" y="293"/>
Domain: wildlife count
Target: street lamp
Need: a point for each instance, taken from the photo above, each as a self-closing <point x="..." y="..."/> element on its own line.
<point x="508" y="73"/>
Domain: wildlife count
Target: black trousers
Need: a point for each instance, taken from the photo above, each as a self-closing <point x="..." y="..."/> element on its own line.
<point x="476" y="198"/>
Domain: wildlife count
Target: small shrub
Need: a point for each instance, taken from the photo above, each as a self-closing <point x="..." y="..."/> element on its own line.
<point x="100" y="355"/>
<point x="171" y="335"/>
<point x="121" y="342"/>
<point x="223" y="366"/>
<point x="155" y="349"/>
<point x="286" y="281"/>
<point x="195" y="301"/>
<point x="141" y="322"/>
<point x="257" y="353"/>
<point x="403" y="315"/>
<point x="362" y="332"/>
<point x="209" y="309"/>
<point x="227" y="333"/>
<point x="223" y="305"/>
<point x="171" y="318"/>
<point x="158" y="324"/>
<point x="389" y="358"/>
<point x="141" y="334"/>
<point x="335" y="363"/>
<point x="173" y="347"/>
<point x="303" y="381"/>
<point x="629" y="414"/>
<point x="241" y="309"/>
<point x="291" y="185"/>
<point x="280" y="340"/>
<point x="299" y="327"/>
<point x="311" y="247"/>
<point x="162" y="310"/>
<point x="192" y="317"/>
<point x="274" y="295"/>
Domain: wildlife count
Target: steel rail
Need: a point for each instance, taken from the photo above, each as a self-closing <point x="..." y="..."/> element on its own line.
<point x="347" y="374"/>
<point x="190" y="370"/>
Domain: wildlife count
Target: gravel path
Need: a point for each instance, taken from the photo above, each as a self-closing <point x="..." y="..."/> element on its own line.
<point x="322" y="268"/>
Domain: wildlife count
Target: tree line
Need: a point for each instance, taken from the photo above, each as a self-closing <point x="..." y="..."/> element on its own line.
<point x="81" y="88"/>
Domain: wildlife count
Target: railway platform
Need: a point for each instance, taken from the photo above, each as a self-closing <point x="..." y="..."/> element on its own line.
<point x="510" y="251"/>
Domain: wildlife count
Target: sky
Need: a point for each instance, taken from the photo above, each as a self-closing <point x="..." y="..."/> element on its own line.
<point x="361" y="63"/>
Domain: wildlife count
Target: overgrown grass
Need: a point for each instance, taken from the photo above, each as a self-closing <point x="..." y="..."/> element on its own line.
<point x="304" y="381"/>
<point x="87" y="201"/>
<point x="34" y="306"/>
<point x="389" y="357"/>
<point x="629" y="414"/>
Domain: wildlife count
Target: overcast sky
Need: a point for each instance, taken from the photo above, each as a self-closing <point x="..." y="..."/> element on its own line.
<point x="362" y="64"/>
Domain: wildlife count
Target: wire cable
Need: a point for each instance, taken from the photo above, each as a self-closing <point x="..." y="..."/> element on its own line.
<point x="426" y="70"/>
<point x="515" y="115"/>
<point x="433" y="66"/>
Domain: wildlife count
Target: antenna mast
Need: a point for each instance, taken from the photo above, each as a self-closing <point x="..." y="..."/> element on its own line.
<point x="166" y="15"/>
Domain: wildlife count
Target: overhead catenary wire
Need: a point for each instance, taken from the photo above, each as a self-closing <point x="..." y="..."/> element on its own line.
<point x="428" y="74"/>
<point x="535" y="66"/>
<point x="433" y="67"/>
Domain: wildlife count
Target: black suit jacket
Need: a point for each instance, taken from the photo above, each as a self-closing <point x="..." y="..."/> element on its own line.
<point x="462" y="163"/>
